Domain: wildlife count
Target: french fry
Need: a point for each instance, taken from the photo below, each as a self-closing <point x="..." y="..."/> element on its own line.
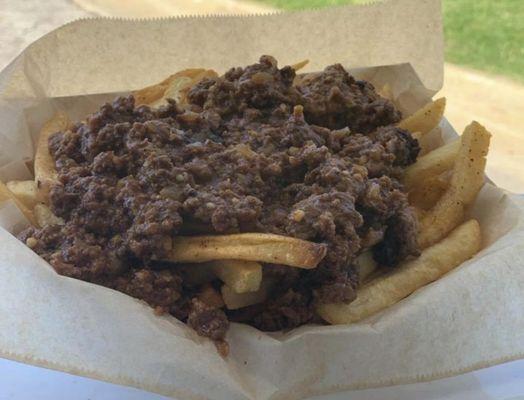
<point x="431" y="165"/>
<point x="261" y="247"/>
<point x="44" y="216"/>
<point x="6" y="195"/>
<point x="178" y="89"/>
<point x="421" y="143"/>
<point x="426" y="194"/>
<point x="430" y="141"/>
<point x="241" y="276"/>
<point x="425" y="119"/>
<point x="25" y="191"/>
<point x="155" y="92"/>
<point x="175" y="86"/>
<point x="387" y="290"/>
<point x="234" y="300"/>
<point x="466" y="181"/>
<point x="299" y="65"/>
<point x="45" y="172"/>
<point x="365" y="265"/>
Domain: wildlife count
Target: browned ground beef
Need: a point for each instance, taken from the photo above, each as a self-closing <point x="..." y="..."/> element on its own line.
<point x="252" y="153"/>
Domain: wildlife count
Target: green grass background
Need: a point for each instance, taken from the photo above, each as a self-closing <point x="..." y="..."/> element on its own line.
<point x="482" y="34"/>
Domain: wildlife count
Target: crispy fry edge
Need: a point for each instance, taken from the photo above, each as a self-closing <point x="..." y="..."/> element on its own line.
<point x="466" y="181"/>
<point x="426" y="118"/>
<point x="261" y="247"/>
<point x="435" y="261"/>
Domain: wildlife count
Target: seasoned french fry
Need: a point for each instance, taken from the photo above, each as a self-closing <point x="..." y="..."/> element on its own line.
<point x="25" y="191"/>
<point x="262" y="247"/>
<point x="426" y="194"/>
<point x="425" y="119"/>
<point x="44" y="216"/>
<point x="235" y="300"/>
<point x="241" y="276"/>
<point x="365" y="265"/>
<point x="45" y="172"/>
<point x="466" y="181"/>
<point x="387" y="290"/>
<point x="431" y="165"/>
<point x="6" y="195"/>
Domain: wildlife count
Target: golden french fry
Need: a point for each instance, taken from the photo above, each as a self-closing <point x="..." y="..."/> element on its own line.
<point x="425" y="119"/>
<point x="44" y="216"/>
<point x="241" y="276"/>
<point x="435" y="261"/>
<point x="430" y="141"/>
<point x="299" y="65"/>
<point x="6" y="195"/>
<point x="262" y="247"/>
<point x="365" y="265"/>
<point x="175" y="86"/>
<point x="179" y="88"/>
<point x="45" y="172"/>
<point x="420" y="140"/>
<point x="235" y="300"/>
<point x="155" y="92"/>
<point x="25" y="191"/>
<point x="431" y="165"/>
<point x="426" y="194"/>
<point x="466" y="181"/>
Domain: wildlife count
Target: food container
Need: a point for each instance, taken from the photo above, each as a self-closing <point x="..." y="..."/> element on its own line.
<point x="470" y="318"/>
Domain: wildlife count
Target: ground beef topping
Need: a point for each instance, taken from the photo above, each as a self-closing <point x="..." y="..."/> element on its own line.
<point x="258" y="149"/>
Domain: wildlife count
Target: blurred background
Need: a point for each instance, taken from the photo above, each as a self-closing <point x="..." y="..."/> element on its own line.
<point x="484" y="71"/>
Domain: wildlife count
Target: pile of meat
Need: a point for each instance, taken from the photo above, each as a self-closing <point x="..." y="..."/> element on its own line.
<point x="317" y="157"/>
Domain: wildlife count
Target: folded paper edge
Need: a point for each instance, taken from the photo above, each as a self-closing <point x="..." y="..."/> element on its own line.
<point x="433" y="81"/>
<point x="370" y="3"/>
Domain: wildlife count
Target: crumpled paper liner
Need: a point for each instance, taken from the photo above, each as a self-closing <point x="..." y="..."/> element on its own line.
<point x="471" y="318"/>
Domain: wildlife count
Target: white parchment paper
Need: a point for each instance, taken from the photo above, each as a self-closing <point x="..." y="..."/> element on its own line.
<point x="469" y="319"/>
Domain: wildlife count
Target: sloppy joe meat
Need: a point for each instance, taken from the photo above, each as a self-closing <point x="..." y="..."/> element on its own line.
<point x="315" y="157"/>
